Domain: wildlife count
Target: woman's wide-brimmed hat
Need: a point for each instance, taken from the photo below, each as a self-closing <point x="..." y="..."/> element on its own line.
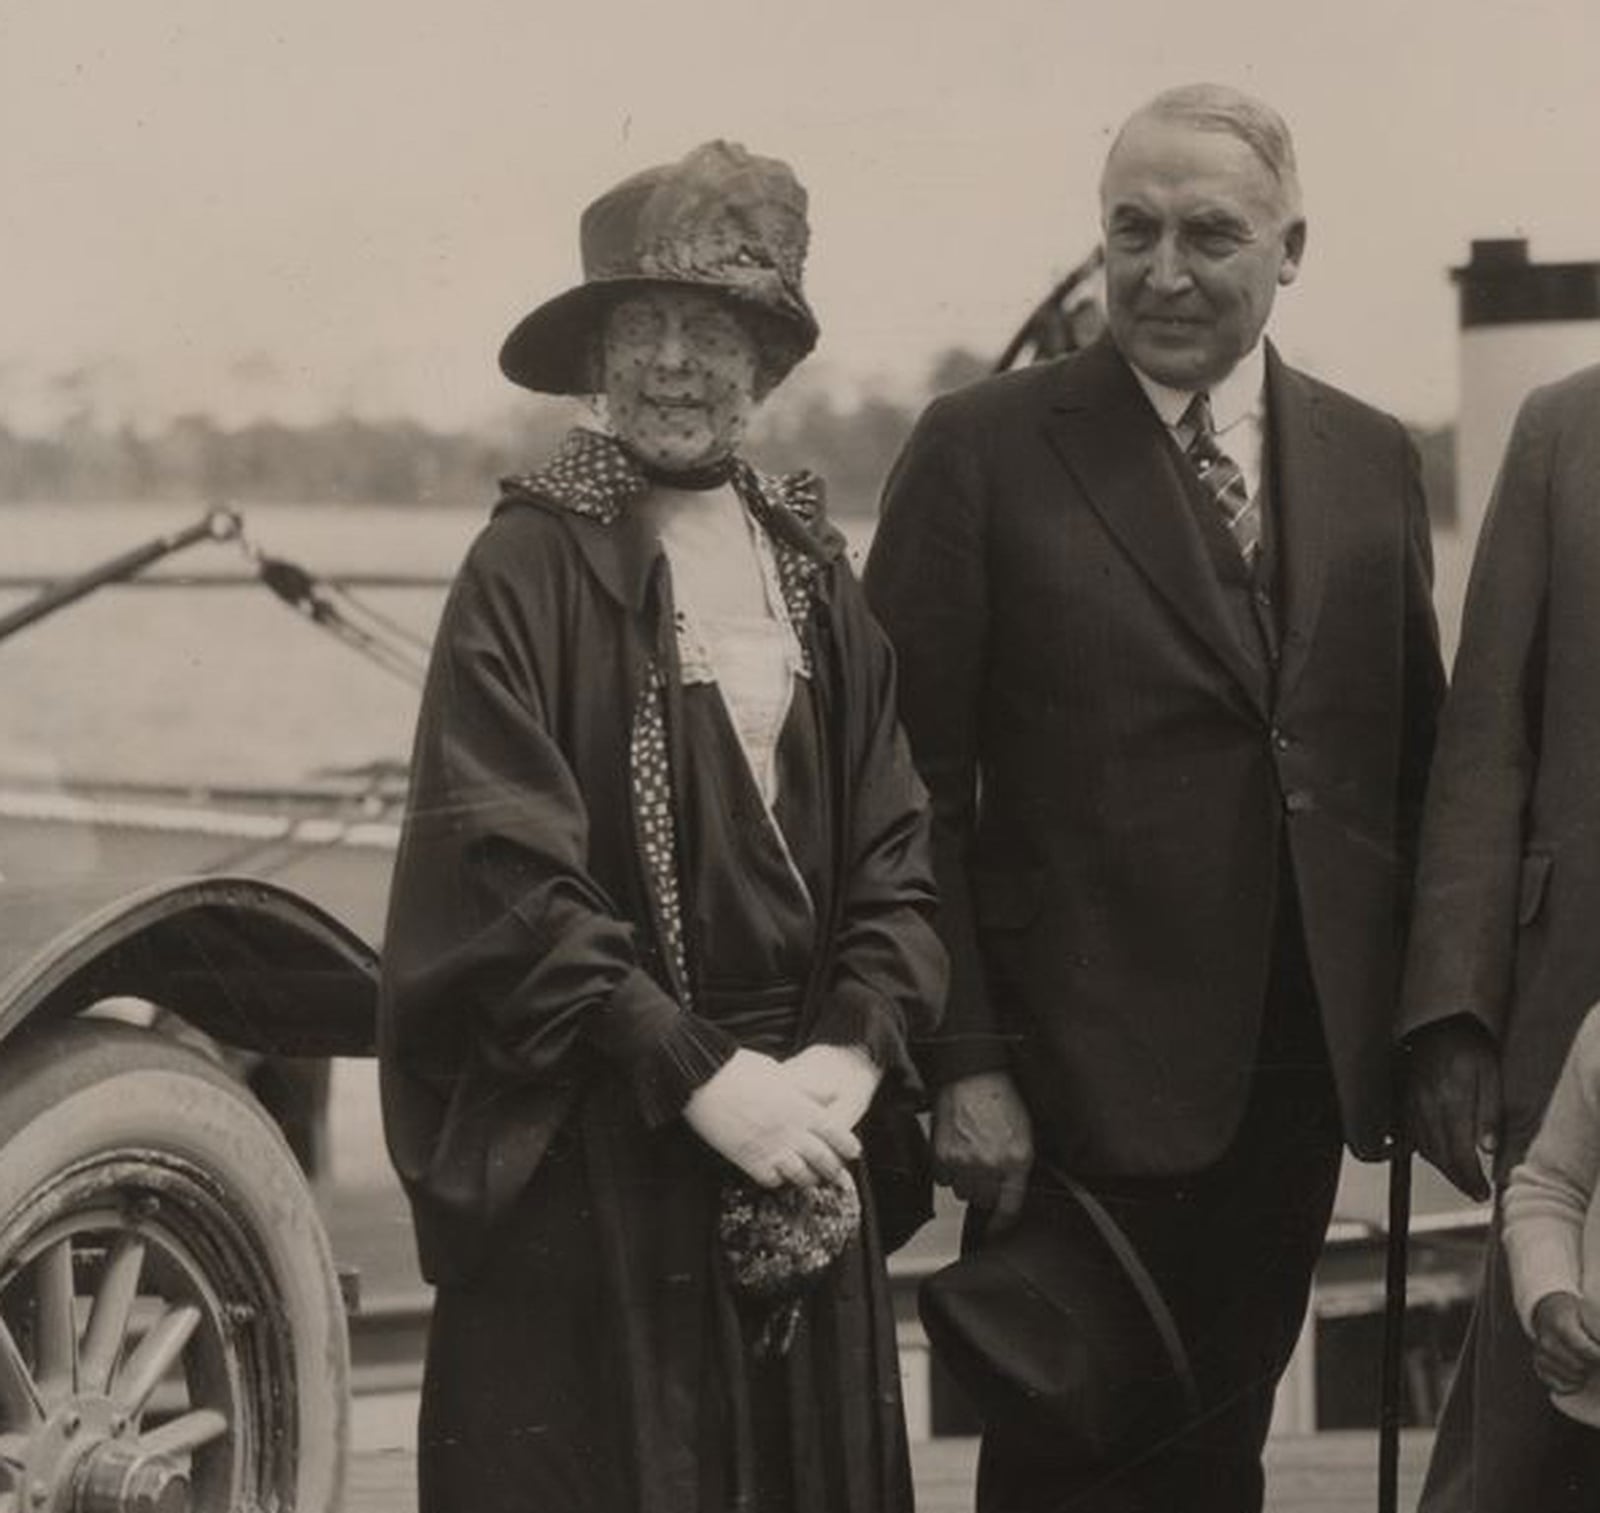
<point x="720" y="219"/>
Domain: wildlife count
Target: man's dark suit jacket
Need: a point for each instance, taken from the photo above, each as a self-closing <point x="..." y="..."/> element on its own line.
<point x="1115" y="781"/>
<point x="1508" y="895"/>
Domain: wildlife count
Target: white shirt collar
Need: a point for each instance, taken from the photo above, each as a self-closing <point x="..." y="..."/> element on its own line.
<point x="1239" y="396"/>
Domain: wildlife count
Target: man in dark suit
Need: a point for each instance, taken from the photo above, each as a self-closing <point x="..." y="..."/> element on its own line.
<point x="1169" y="666"/>
<point x="1505" y="954"/>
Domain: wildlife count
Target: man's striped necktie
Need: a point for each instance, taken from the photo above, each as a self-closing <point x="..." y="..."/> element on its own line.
<point x="1222" y="478"/>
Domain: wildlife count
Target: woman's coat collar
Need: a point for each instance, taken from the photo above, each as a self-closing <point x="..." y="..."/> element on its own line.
<point x="593" y="480"/>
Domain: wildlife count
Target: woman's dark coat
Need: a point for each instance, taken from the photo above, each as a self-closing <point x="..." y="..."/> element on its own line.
<point x="539" y="982"/>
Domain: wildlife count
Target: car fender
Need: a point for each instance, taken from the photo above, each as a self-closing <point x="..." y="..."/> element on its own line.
<point x="251" y="964"/>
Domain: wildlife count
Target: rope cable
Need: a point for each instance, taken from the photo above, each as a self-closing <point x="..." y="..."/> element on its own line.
<point x="383" y="641"/>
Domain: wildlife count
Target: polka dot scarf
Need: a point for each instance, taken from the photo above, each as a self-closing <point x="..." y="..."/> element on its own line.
<point x="594" y="475"/>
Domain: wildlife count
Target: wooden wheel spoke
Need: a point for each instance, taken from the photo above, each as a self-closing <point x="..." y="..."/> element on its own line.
<point x="56" y="1354"/>
<point x="156" y="1355"/>
<point x="108" y="1319"/>
<point x="19" y="1396"/>
<point x="163" y="1279"/>
<point x="188" y="1432"/>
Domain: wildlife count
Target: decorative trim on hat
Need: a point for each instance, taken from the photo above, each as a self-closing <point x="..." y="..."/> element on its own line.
<point x="719" y="219"/>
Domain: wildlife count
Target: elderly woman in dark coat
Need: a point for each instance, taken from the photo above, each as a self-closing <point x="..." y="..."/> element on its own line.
<point x="660" y="928"/>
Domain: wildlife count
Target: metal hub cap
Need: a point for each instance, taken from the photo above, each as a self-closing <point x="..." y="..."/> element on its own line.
<point x="116" y="1477"/>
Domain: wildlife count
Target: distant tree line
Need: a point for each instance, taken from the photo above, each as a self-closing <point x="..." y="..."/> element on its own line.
<point x="196" y="458"/>
<point x="851" y="447"/>
<point x="350" y="460"/>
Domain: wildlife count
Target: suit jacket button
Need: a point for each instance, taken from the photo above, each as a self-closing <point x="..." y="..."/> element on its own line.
<point x="1299" y="801"/>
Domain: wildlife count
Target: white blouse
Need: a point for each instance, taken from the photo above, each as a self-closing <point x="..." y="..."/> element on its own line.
<point x="733" y="627"/>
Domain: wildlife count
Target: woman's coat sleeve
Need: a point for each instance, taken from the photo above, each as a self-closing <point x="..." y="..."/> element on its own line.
<point x="498" y="933"/>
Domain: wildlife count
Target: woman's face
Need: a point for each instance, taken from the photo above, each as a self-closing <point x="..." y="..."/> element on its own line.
<point x="678" y="370"/>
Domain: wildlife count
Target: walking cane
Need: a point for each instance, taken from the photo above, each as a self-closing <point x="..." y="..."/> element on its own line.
<point x="1394" y="1304"/>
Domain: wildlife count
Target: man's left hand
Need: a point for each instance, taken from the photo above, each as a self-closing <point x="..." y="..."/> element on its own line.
<point x="1453" y="1099"/>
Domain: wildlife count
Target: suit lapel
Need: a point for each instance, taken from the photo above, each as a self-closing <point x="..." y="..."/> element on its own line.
<point x="1113" y="443"/>
<point x="1303" y="482"/>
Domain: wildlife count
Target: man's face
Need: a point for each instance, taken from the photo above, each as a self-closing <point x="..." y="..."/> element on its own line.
<point x="679" y="374"/>
<point x="1198" y="239"/>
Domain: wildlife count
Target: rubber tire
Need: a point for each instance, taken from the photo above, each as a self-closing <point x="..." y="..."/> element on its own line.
<point x="90" y="1088"/>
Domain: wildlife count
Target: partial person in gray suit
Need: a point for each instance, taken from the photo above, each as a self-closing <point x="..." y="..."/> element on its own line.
<point x="1504" y="954"/>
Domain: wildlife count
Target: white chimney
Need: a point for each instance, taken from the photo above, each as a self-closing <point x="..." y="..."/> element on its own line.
<point x="1522" y="324"/>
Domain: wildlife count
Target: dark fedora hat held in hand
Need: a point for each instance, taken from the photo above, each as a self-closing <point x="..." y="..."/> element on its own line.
<point x="721" y="220"/>
<point x="1056" y="1330"/>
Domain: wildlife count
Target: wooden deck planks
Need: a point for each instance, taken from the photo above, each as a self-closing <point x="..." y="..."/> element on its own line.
<point x="1322" y="1473"/>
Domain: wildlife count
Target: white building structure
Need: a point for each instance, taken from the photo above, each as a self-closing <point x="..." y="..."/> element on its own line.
<point x="1522" y="324"/>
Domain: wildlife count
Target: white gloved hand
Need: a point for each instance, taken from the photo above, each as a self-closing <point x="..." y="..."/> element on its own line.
<point x="753" y="1113"/>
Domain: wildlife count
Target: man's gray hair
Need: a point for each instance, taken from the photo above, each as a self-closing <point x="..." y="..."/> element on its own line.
<point x="1217" y="107"/>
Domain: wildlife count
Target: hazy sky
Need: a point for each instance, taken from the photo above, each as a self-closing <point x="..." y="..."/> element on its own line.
<point x="297" y="206"/>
